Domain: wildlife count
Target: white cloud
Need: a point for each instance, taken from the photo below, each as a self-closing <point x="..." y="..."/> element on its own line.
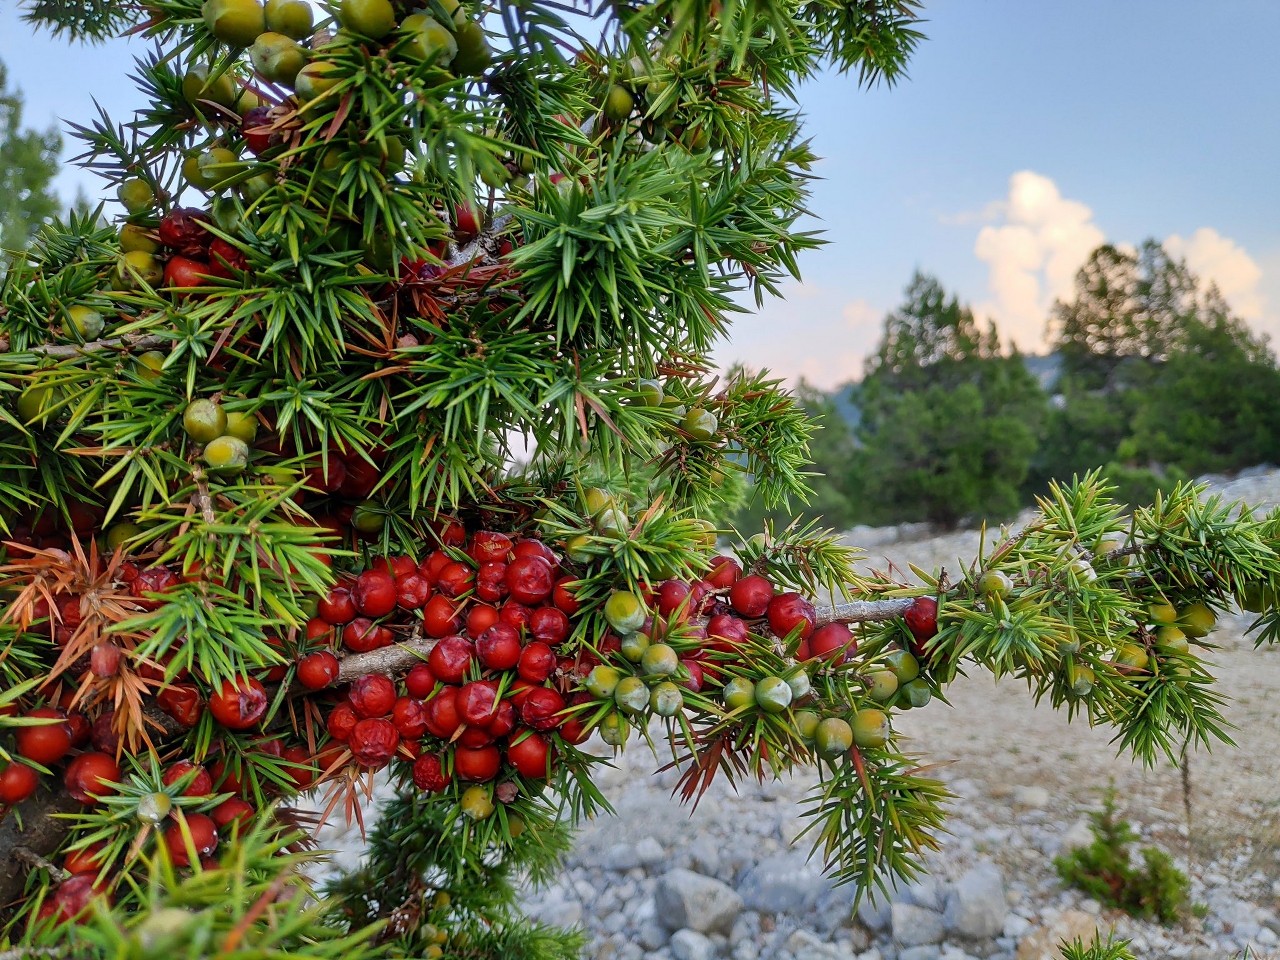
<point x="813" y="332"/>
<point x="1218" y="259"/>
<point x="1033" y="255"/>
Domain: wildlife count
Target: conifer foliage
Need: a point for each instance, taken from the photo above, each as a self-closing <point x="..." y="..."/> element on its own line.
<point x="271" y="526"/>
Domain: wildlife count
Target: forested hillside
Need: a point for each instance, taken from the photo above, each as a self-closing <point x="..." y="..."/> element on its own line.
<point x="1149" y="375"/>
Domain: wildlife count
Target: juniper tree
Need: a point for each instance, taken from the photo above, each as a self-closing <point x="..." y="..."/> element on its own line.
<point x="272" y="524"/>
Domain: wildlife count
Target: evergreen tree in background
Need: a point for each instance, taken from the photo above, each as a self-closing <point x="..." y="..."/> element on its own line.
<point x="1159" y="381"/>
<point x="28" y="164"/>
<point x="949" y="421"/>
<point x="266" y="535"/>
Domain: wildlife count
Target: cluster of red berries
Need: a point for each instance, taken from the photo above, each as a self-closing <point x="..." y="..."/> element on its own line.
<point x="497" y="609"/>
<point x="54" y="734"/>
<point x="183" y="834"/>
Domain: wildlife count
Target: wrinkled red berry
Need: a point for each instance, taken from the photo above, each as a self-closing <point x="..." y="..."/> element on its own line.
<point x="419" y="681"/>
<point x="499" y="647"/>
<point x="726" y="632"/>
<point x="450" y="659"/>
<point x="537" y="660"/>
<point x="429" y="569"/>
<point x="530" y="580"/>
<point x="530" y="754"/>
<point x="750" y="596"/>
<point x="91" y="774"/>
<point x="455" y="579"/>
<point x="491" y="582"/>
<point x="410" y="718"/>
<point x="375" y="593"/>
<point x="182" y="702"/>
<point x="373" y="742"/>
<point x="428" y="774"/>
<point x="515" y="614"/>
<point x="549" y="625"/>
<point x="789" y="611"/>
<point x="504" y="719"/>
<point x="341" y="721"/>
<point x="412" y="592"/>
<point x="487" y="546"/>
<point x="478" y="764"/>
<point x="201" y="784"/>
<point x="204" y="837"/>
<point x="239" y="704"/>
<point x="477" y="703"/>
<point x="318" y="670"/>
<point x="182" y="230"/>
<point x="372" y="695"/>
<point x="540" y="708"/>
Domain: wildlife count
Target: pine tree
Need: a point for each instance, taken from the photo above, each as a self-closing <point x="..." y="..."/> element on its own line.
<point x="28" y="164"/>
<point x="269" y="531"/>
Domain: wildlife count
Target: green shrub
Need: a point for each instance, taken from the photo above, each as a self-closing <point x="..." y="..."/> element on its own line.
<point x="1097" y="950"/>
<point x="1156" y="890"/>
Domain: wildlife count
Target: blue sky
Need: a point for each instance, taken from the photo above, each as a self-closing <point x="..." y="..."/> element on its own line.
<point x="1027" y="133"/>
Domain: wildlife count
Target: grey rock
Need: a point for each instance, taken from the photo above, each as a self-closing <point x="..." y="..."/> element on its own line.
<point x="649" y="852"/>
<point x="746" y="927"/>
<point x="1016" y="927"/>
<point x="875" y="913"/>
<point x="746" y="950"/>
<point x="691" y="945"/>
<point x="977" y="906"/>
<point x="923" y="952"/>
<point x="913" y="926"/>
<point x="652" y="935"/>
<point x="804" y="945"/>
<point x="858" y="938"/>
<point x="834" y="909"/>
<point x="1035" y="797"/>
<point x="688" y="899"/>
<point x="785" y="883"/>
<point x="704" y="855"/>
<point x="556" y="907"/>
<point x="1077" y="837"/>
<point x="790" y="829"/>
<point x="622" y="857"/>
<point x="930" y="893"/>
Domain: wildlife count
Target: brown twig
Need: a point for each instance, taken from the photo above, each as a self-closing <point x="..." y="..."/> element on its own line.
<point x="486" y="242"/>
<point x="862" y="611"/>
<point x="392" y="660"/>
<point x="37" y="862"/>
<point x="127" y="342"/>
<point x="201" y="498"/>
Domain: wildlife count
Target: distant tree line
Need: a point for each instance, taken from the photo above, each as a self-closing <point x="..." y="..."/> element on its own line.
<point x="1153" y="379"/>
<point x="28" y="164"/>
